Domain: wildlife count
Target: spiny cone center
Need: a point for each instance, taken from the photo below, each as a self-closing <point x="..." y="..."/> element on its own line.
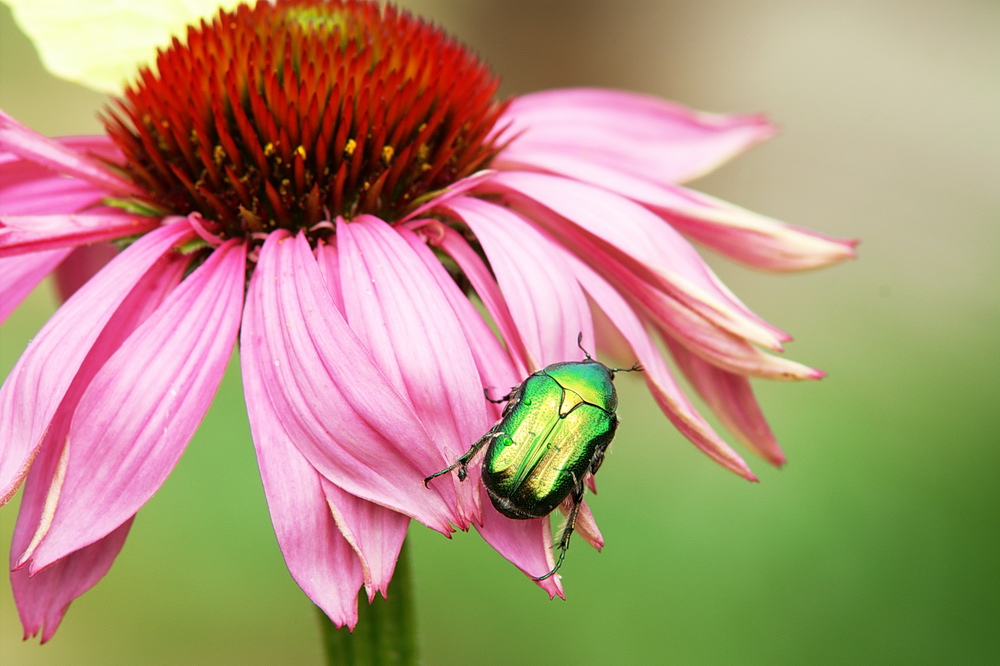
<point x="289" y="114"/>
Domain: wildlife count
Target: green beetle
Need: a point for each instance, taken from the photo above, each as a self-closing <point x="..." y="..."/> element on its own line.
<point x="554" y="429"/>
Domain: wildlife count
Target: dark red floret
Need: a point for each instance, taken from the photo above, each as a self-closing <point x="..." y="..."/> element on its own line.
<point x="292" y="113"/>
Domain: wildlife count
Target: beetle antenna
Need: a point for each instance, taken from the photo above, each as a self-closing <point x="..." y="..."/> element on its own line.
<point x="636" y="367"/>
<point x="579" y="343"/>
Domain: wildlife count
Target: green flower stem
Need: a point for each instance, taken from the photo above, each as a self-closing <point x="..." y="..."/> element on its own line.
<point x="385" y="633"/>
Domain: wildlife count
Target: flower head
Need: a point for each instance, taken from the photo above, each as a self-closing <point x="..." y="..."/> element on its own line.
<point x="335" y="185"/>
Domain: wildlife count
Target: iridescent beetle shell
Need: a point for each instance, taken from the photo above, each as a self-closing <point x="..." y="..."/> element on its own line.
<point x="554" y="430"/>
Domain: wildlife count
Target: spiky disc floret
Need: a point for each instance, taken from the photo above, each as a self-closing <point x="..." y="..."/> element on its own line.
<point x="284" y="115"/>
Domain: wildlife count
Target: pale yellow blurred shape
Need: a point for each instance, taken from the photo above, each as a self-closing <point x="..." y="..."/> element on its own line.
<point x="100" y="43"/>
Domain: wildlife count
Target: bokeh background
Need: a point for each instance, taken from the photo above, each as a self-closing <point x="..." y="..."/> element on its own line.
<point x="879" y="540"/>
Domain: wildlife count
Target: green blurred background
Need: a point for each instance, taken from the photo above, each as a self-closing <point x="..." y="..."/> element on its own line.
<point x="878" y="542"/>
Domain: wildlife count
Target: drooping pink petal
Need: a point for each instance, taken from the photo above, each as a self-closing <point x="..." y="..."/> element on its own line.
<point x="677" y="312"/>
<point x="720" y="348"/>
<point x="81" y="265"/>
<point x="455" y="189"/>
<point x="495" y="367"/>
<point x="141" y="409"/>
<point x="318" y="556"/>
<point x="27" y="188"/>
<point x="660" y="380"/>
<point x="496" y="371"/>
<point x="731" y="398"/>
<point x="36" y="386"/>
<point x="19" y="275"/>
<point x="28" y="144"/>
<point x="524" y="543"/>
<point x="649" y="248"/>
<point x="632" y="133"/>
<point x="482" y="281"/>
<point x="375" y="532"/>
<point x="48" y="470"/>
<point x="740" y="234"/>
<point x="328" y="260"/>
<point x="752" y="239"/>
<point x="42" y="599"/>
<point x="328" y="394"/>
<point x="546" y="302"/>
<point x="96" y="145"/>
<point x="394" y="305"/>
<point x="31" y="233"/>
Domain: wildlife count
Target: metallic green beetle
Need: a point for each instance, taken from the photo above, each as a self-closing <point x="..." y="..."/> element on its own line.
<point x="554" y="429"/>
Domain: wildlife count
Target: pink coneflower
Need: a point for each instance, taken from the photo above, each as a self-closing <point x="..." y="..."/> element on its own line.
<point x="335" y="186"/>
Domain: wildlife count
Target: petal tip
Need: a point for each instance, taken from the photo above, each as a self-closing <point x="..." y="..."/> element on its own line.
<point x="777" y="459"/>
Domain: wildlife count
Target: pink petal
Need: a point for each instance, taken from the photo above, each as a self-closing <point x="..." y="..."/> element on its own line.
<point x="48" y="471"/>
<point x="662" y="385"/>
<point x="319" y="558"/>
<point x="19" y="275"/>
<point x="637" y="134"/>
<point x="486" y="288"/>
<point x="524" y="543"/>
<point x="100" y="146"/>
<point x="651" y="249"/>
<point x="43" y="598"/>
<point x="35" y="387"/>
<point x="448" y="193"/>
<point x="718" y="334"/>
<point x="731" y="398"/>
<point x="753" y="239"/>
<point x="31" y="233"/>
<point x="546" y="302"/>
<point x="495" y="367"/>
<point x="375" y="532"/>
<point x="82" y="264"/>
<point x="737" y="233"/>
<point x="27" y="188"/>
<point x="720" y="348"/>
<point x="328" y="260"/>
<point x="328" y="393"/>
<point x="395" y="307"/>
<point x="143" y="406"/>
<point x="18" y="139"/>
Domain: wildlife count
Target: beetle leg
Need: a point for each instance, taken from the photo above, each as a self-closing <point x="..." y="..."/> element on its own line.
<point x="497" y="401"/>
<point x="567" y="531"/>
<point x="463" y="463"/>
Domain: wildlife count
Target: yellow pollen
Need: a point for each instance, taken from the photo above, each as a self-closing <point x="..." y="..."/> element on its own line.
<point x="269" y="149"/>
<point x="218" y="154"/>
<point x="387" y="153"/>
<point x="301" y="152"/>
<point x="350" y="146"/>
